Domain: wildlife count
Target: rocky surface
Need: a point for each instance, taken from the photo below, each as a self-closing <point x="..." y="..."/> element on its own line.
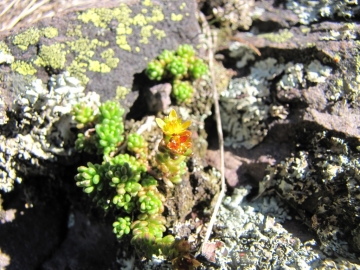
<point x="290" y="117"/>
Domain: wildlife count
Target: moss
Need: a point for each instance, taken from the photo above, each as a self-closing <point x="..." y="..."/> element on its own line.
<point x="176" y="17"/>
<point x="278" y="37"/>
<point x="50" y="32"/>
<point x="51" y="56"/>
<point x="23" y="68"/>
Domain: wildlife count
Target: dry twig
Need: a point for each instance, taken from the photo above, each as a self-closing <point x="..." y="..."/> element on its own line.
<point x="210" y="42"/>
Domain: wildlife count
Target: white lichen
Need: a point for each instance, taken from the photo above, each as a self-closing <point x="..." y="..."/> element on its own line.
<point x="326" y="175"/>
<point x="43" y="129"/>
<point x="255" y="239"/>
<point x="311" y="11"/>
<point x="293" y="77"/>
<point x="235" y="13"/>
<point x="243" y="105"/>
<point x="241" y="51"/>
<point x="6" y="58"/>
<point x="316" y="72"/>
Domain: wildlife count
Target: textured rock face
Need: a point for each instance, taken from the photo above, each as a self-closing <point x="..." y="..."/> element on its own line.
<point x="295" y="107"/>
<point x="103" y="47"/>
<point x="45" y="69"/>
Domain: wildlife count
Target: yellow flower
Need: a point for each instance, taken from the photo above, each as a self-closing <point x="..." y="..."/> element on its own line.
<point x="172" y="124"/>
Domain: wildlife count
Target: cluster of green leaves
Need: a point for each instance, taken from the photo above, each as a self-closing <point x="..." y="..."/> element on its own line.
<point x="137" y="145"/>
<point x="182" y="67"/>
<point x="120" y="183"/>
<point x="109" y="128"/>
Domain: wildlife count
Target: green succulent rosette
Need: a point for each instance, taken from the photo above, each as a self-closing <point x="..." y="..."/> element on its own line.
<point x="155" y="70"/>
<point x="182" y="91"/>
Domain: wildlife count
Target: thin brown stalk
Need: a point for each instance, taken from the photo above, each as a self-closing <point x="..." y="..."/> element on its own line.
<point x="210" y="42"/>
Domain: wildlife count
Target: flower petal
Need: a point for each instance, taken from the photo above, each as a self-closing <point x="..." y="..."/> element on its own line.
<point x="160" y="123"/>
<point x="186" y="124"/>
<point x="173" y="115"/>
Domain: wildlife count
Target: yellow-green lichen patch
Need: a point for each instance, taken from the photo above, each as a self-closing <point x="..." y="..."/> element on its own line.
<point x="26" y="38"/>
<point x="50" y="32"/>
<point x="143" y="20"/>
<point x="123" y="29"/>
<point x="78" y="69"/>
<point x="147" y="3"/>
<point x="97" y="66"/>
<point x="145" y="33"/>
<point x="110" y="60"/>
<point x="176" y="17"/>
<point x="278" y="37"/>
<point x="23" y="68"/>
<point x="182" y="6"/>
<point x="122" y="42"/>
<point x="74" y="31"/>
<point x="157" y="15"/>
<point x="122" y="13"/>
<point x="4" y="48"/>
<point x="32" y="35"/>
<point x="121" y="92"/>
<point x="137" y="49"/>
<point x="159" y="34"/>
<point x="51" y="56"/>
<point x="85" y="49"/>
<point x="100" y="17"/>
<point x="139" y="20"/>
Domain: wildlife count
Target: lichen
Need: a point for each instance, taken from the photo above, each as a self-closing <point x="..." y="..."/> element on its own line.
<point x="32" y="35"/>
<point x="176" y="17"/>
<point x="51" y="56"/>
<point x="23" y="68"/>
<point x="26" y="38"/>
<point x="43" y="128"/>
<point x="5" y="57"/>
<point x="253" y="235"/>
<point x="281" y="37"/>
<point x="242" y="51"/>
<point x="311" y="11"/>
<point x="244" y="107"/>
<point x="126" y="23"/>
<point x="293" y="77"/>
<point x="234" y="13"/>
<point x="50" y="32"/>
<point x="316" y="72"/>
<point x="323" y="180"/>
